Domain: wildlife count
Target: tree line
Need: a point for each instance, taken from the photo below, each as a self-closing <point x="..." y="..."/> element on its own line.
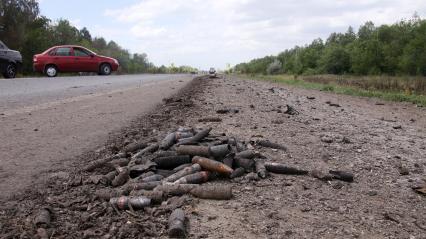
<point x="397" y="49"/>
<point x="23" y="28"/>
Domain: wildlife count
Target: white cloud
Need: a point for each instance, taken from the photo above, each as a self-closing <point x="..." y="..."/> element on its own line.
<point x="215" y="32"/>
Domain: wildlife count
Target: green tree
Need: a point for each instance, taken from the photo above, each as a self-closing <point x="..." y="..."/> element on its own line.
<point x="335" y="60"/>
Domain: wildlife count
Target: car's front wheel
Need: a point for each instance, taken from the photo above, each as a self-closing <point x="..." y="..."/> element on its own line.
<point x="10" y="71"/>
<point x="105" y="69"/>
<point x="51" y="71"/>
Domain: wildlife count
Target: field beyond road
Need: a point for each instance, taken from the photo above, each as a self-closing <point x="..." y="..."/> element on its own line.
<point x="399" y="89"/>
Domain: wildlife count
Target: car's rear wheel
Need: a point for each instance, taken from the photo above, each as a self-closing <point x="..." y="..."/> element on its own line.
<point x="105" y="69"/>
<point x="51" y="71"/>
<point x="10" y="71"/>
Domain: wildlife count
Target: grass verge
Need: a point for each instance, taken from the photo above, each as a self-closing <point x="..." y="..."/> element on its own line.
<point x="420" y="100"/>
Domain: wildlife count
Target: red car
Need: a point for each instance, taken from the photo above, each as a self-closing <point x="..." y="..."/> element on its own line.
<point x="73" y="59"/>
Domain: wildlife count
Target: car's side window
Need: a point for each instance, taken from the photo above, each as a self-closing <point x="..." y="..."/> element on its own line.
<point x="63" y="51"/>
<point x="80" y="52"/>
<point x="52" y="52"/>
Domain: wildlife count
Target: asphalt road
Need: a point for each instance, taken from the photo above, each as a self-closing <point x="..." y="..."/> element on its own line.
<point x="46" y="122"/>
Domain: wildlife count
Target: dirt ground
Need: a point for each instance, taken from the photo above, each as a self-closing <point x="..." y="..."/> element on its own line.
<point x="382" y="143"/>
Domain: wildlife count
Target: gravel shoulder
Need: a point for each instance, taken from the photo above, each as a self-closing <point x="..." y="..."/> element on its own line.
<point x="382" y="143"/>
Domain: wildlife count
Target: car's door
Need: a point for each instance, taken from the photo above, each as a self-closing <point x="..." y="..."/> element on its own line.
<point x="3" y="56"/>
<point x="83" y="60"/>
<point x="63" y="59"/>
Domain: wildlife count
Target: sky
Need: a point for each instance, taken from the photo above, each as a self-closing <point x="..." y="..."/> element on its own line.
<point x="214" y="33"/>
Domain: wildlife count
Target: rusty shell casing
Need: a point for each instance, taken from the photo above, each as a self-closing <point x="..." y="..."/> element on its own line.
<point x="260" y="168"/>
<point x="153" y="178"/>
<point x="215" y="143"/>
<point x="342" y="175"/>
<point x="132" y="147"/>
<point x="247" y="164"/>
<point x="175" y="189"/>
<point x="269" y="144"/>
<point x="42" y="233"/>
<point x="155" y="196"/>
<point x="193" y="150"/>
<point x="282" y="169"/>
<point x="96" y="164"/>
<point x="137" y="170"/>
<point x="164" y="172"/>
<point x="107" y="194"/>
<point x="220" y="151"/>
<point x="183" y="135"/>
<point x="195" y="178"/>
<point x="240" y="147"/>
<point x="196" y="138"/>
<point x="43" y="218"/>
<point x="229" y="160"/>
<point x="123" y="202"/>
<point x="107" y="178"/>
<point x="184" y="129"/>
<point x="212" y="165"/>
<point x="139" y="186"/>
<point x="321" y="175"/>
<point x="144" y="175"/>
<point x="121" y="162"/>
<point x="177" y="224"/>
<point x="232" y="141"/>
<point x="168" y="141"/>
<point x="222" y="192"/>
<point x="180" y="167"/>
<point x="121" y="178"/>
<point x="101" y="162"/>
<point x="186" y="171"/>
<point x="172" y="161"/>
<point x="248" y="154"/>
<point x="149" y="149"/>
<point x="237" y="173"/>
<point x="160" y="154"/>
<point x="210" y="119"/>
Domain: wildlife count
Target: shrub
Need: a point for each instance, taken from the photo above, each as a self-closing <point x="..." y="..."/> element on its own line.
<point x="274" y="68"/>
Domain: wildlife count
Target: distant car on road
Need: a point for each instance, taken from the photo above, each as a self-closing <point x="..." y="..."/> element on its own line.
<point x="10" y="61"/>
<point x="70" y="58"/>
<point x="212" y="72"/>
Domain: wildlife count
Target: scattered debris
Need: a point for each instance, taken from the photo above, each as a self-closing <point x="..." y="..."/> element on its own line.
<point x="43" y="218"/>
<point x="269" y="144"/>
<point x="327" y="139"/>
<point x="226" y="111"/>
<point x="420" y="190"/>
<point x="332" y="104"/>
<point x="291" y="110"/>
<point x="177" y="224"/>
<point x="403" y="170"/>
<point x="210" y="119"/>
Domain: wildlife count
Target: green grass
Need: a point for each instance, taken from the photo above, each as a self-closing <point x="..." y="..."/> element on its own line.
<point x="397" y="96"/>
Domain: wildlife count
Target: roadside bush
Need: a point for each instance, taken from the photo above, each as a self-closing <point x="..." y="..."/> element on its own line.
<point x="274" y="68"/>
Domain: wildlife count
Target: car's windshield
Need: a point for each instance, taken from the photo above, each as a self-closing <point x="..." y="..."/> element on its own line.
<point x="2" y="45"/>
<point x="81" y="52"/>
<point x="87" y="50"/>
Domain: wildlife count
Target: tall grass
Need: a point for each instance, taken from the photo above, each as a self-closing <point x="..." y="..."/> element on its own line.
<point x="400" y="89"/>
<point x="408" y="85"/>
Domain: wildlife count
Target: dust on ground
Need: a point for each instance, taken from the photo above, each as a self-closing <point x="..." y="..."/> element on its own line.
<point x="382" y="143"/>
